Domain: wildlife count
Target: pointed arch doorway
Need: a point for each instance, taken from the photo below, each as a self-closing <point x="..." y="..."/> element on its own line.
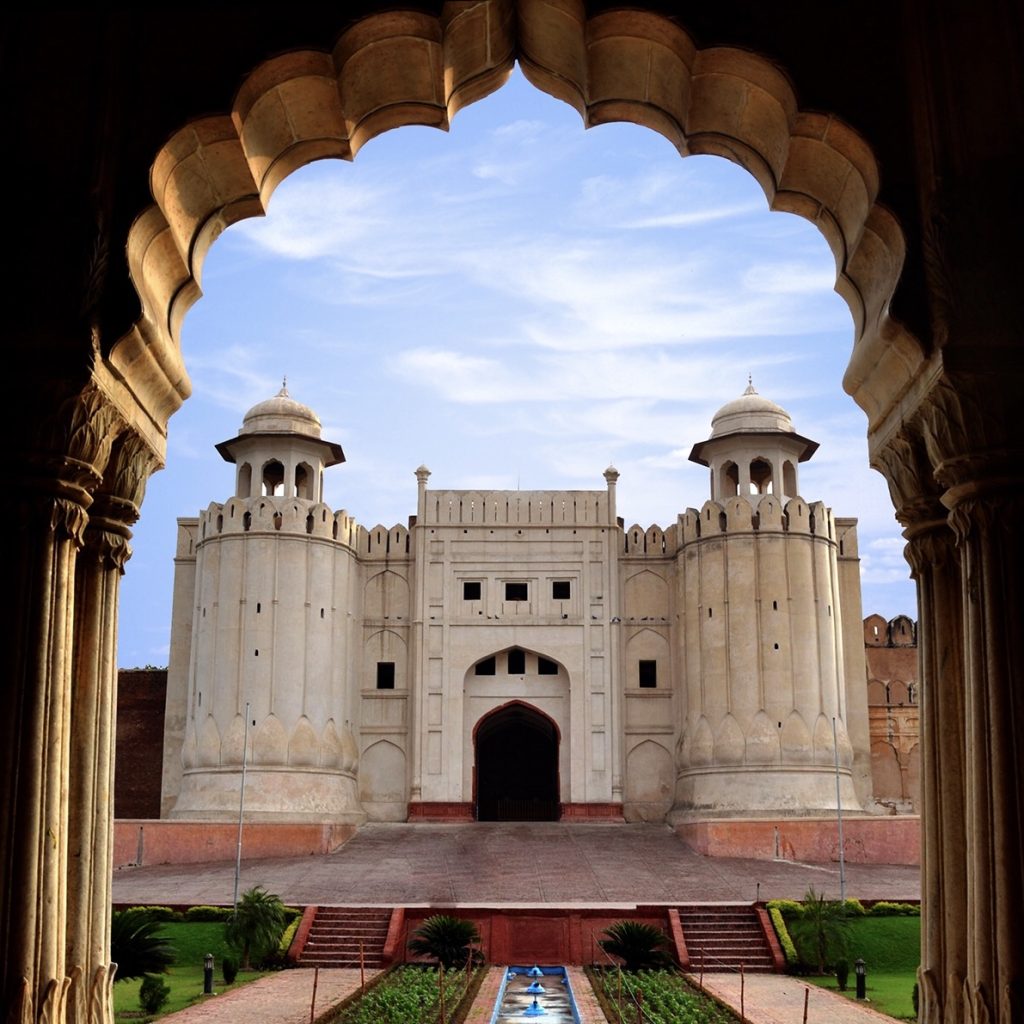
<point x="515" y="774"/>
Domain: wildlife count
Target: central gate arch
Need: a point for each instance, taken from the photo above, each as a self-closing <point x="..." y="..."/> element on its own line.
<point x="515" y="765"/>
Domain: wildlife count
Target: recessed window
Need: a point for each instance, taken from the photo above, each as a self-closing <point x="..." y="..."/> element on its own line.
<point x="561" y="590"/>
<point x="516" y="662"/>
<point x="471" y="590"/>
<point x="485" y="667"/>
<point x="385" y="675"/>
<point x="648" y="674"/>
<point x="517" y="592"/>
<point x="546" y="667"/>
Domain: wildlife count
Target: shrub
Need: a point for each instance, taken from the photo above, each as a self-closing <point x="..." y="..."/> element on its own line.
<point x="136" y="945"/>
<point x="205" y="913"/>
<point x="287" y="936"/>
<point x="854" y="908"/>
<point x="785" y="939"/>
<point x="153" y="993"/>
<point x="228" y="969"/>
<point x="160" y="913"/>
<point x="883" y="908"/>
<point x="787" y="908"/>
<point x="820" y="933"/>
<point x="914" y="997"/>
<point x="446" y="939"/>
<point x="256" y="925"/>
<point x="636" y="944"/>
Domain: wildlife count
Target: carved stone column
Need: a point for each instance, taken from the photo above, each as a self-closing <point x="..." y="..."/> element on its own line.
<point x="931" y="552"/>
<point x="93" y="718"/>
<point x="970" y="429"/>
<point x="51" y="493"/>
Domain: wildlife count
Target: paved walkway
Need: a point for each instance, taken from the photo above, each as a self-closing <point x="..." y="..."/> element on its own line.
<point x="554" y="863"/>
<point x="281" y="998"/>
<point x="779" y="999"/>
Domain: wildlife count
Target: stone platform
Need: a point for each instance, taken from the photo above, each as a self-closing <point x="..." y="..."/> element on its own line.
<point x="521" y="864"/>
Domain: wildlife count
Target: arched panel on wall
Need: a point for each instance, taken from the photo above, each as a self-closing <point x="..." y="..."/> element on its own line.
<point x="885" y="772"/>
<point x="386" y="597"/>
<point x="647" y="660"/>
<point x="878" y="692"/>
<point x="385" y="647"/>
<point x="645" y="593"/>
<point x="912" y="783"/>
<point x="383" y="788"/>
<point x="650" y="782"/>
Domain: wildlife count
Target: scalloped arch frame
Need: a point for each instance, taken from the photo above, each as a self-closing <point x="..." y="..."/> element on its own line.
<point x="400" y="68"/>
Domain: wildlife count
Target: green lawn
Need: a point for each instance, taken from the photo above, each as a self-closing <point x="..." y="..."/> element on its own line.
<point x="192" y="942"/>
<point x="891" y="950"/>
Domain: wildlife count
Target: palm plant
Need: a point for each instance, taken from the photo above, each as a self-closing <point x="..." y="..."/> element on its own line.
<point x="636" y="944"/>
<point x="821" y="928"/>
<point x="256" y="925"/>
<point x="446" y="939"/>
<point x="136" y="945"/>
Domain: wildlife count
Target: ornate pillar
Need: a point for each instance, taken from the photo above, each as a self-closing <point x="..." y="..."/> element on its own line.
<point x="974" y="720"/>
<point x="68" y="447"/>
<point x="93" y="717"/>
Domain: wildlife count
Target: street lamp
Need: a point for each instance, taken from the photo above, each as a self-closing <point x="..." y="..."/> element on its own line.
<point x="858" y="966"/>
<point x="208" y="975"/>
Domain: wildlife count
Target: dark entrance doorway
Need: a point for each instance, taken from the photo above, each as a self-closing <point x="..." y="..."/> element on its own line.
<point x="517" y="766"/>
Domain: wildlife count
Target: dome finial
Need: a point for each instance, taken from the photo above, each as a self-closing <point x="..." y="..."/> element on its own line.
<point x="750" y="385"/>
<point x="283" y="393"/>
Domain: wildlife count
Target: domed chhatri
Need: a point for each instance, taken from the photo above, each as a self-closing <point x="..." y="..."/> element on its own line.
<point x="750" y="413"/>
<point x="281" y="415"/>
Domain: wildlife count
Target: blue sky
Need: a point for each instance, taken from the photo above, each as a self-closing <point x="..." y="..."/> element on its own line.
<point x="514" y="303"/>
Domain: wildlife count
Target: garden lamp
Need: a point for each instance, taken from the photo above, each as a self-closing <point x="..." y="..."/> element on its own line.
<point x="859" y="966"/>
<point x="208" y="975"/>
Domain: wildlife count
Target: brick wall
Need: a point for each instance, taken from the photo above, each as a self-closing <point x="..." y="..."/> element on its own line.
<point x="140" y="742"/>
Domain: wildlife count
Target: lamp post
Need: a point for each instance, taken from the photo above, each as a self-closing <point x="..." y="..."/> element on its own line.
<point x="839" y="819"/>
<point x="208" y="975"/>
<point x="241" y="811"/>
<point x="858" y="966"/>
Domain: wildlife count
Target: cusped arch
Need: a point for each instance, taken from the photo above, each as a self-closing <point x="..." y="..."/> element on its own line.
<point x="406" y="67"/>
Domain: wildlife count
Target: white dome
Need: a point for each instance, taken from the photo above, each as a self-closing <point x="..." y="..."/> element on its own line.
<point x="281" y="415"/>
<point x="750" y="413"/>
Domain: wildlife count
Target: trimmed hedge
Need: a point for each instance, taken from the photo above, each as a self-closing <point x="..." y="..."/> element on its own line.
<point x="206" y="913"/>
<point x="785" y="939"/>
<point x="885" y="909"/>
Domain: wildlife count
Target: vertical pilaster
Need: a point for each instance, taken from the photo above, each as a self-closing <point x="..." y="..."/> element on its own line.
<point x="51" y="496"/>
<point x="92" y="738"/>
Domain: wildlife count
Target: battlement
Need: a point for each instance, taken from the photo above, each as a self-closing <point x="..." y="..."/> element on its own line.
<point x="517" y="508"/>
<point x="381" y="542"/>
<point x="764" y="514"/>
<point x="277" y="515"/>
<point x="654" y="542"/>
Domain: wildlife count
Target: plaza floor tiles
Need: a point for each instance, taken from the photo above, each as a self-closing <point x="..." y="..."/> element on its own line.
<point x="511" y="863"/>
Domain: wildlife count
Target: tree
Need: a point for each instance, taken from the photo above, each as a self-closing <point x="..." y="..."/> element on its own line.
<point x="135" y="945"/>
<point x="255" y="927"/>
<point x="447" y="939"/>
<point x="636" y="944"/>
<point x="821" y="928"/>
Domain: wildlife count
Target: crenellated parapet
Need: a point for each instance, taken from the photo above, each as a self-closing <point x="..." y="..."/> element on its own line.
<point x="379" y="542"/>
<point x="517" y="508"/>
<point x="654" y="542"/>
<point x="294" y="516"/>
<point x="758" y="513"/>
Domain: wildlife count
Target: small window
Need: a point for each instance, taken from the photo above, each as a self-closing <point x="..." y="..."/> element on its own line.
<point x="485" y="667"/>
<point x="516" y="662"/>
<point x="471" y="590"/>
<point x="385" y="675"/>
<point x="517" y="592"/>
<point x="561" y="590"/>
<point x="546" y="667"/>
<point x="648" y="674"/>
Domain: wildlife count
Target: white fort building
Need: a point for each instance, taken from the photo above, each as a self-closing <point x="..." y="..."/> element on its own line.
<point x="516" y="654"/>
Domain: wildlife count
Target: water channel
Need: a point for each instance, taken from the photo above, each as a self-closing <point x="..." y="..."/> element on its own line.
<point x="535" y="994"/>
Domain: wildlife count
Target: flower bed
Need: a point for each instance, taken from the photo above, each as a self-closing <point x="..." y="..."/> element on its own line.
<point x="408" y="995"/>
<point x="667" y="998"/>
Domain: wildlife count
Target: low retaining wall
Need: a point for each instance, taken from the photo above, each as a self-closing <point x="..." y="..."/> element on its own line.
<point x="144" y="841"/>
<point x="866" y="840"/>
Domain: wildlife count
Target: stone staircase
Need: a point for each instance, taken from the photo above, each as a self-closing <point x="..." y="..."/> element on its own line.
<point x="725" y="936"/>
<point x="336" y="933"/>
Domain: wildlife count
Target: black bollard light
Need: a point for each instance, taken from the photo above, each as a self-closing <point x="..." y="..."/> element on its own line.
<point x="208" y="975"/>
<point x="858" y="966"/>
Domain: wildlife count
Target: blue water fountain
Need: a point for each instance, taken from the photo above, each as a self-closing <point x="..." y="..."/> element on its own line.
<point x="520" y="997"/>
